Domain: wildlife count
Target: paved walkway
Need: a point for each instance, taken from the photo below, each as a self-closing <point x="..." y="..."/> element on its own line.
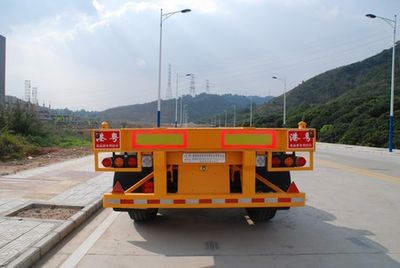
<point x="73" y="182"/>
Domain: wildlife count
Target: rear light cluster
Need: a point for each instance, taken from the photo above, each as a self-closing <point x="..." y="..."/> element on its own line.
<point x="286" y="160"/>
<point x="120" y="161"/>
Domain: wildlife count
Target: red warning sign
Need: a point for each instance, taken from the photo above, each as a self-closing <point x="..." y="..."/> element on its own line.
<point x="107" y="139"/>
<point x="300" y="139"/>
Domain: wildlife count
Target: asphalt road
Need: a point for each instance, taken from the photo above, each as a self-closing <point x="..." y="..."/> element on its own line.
<point x="351" y="220"/>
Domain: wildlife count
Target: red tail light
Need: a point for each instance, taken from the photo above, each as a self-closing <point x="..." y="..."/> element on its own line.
<point x="289" y="161"/>
<point x="300" y="161"/>
<point x="276" y="161"/>
<point x="118" y="162"/>
<point x="106" y="162"/>
<point x="132" y="161"/>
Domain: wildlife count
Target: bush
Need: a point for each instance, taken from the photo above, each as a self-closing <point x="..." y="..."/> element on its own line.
<point x="14" y="147"/>
<point x="326" y="133"/>
<point x="20" y="119"/>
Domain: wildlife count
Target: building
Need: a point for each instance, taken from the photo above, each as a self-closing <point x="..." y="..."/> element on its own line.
<point x="2" y="69"/>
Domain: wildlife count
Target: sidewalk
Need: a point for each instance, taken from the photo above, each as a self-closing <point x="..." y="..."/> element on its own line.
<point x="24" y="240"/>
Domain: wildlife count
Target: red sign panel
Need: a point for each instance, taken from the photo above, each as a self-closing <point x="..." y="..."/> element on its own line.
<point x="300" y="139"/>
<point x="107" y="139"/>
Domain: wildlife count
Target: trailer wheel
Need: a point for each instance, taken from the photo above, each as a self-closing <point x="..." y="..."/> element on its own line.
<point x="280" y="179"/>
<point x="143" y="215"/>
<point x="261" y="214"/>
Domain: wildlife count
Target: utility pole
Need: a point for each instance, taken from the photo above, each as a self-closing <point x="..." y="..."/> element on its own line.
<point x="251" y="111"/>
<point x="169" y="89"/>
<point x="34" y="96"/>
<point x="226" y="118"/>
<point x="2" y="70"/>
<point x="192" y="86"/>
<point x="234" y="115"/>
<point x="27" y="90"/>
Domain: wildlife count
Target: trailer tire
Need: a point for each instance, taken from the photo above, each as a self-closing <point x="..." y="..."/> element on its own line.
<point x="143" y="215"/>
<point x="261" y="214"/>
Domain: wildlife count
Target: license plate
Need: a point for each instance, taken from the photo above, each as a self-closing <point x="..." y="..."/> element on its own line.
<point x="203" y="158"/>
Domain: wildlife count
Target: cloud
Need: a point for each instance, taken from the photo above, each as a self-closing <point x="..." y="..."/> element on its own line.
<point x="294" y="3"/>
<point x="54" y="53"/>
<point x="98" y="6"/>
<point x="328" y="12"/>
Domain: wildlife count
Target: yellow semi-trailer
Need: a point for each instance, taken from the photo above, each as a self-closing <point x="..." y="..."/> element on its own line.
<point x="203" y="168"/>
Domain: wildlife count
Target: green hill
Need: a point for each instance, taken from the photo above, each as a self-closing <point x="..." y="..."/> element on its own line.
<point x="197" y="109"/>
<point x="347" y="105"/>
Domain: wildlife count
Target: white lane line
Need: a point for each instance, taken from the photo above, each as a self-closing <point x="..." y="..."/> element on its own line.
<point x="248" y="220"/>
<point x="361" y="171"/>
<point x="81" y="251"/>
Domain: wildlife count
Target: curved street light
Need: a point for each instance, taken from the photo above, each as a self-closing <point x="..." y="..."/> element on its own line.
<point x="283" y="80"/>
<point x="392" y="24"/>
<point x="163" y="17"/>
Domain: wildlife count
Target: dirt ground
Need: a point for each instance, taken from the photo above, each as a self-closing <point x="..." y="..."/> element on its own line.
<point x="55" y="213"/>
<point x="48" y="156"/>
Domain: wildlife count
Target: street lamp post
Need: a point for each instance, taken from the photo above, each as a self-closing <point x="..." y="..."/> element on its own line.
<point x="176" y="102"/>
<point x="283" y="80"/>
<point x="163" y="17"/>
<point x="392" y="24"/>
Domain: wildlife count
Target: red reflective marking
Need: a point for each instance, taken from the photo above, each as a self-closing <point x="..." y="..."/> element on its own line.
<point x="117" y="189"/>
<point x="257" y="200"/>
<point x="153" y="201"/>
<point x="293" y="188"/>
<point x="148" y="187"/>
<point x="179" y="201"/>
<point x="284" y="200"/>
<point x="205" y="201"/>
<point x="159" y="131"/>
<point x="233" y="200"/>
<point x="126" y="201"/>
<point x="247" y="131"/>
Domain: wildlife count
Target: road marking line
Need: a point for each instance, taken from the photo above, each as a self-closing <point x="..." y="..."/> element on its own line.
<point x="248" y="220"/>
<point x="361" y="171"/>
<point x="81" y="251"/>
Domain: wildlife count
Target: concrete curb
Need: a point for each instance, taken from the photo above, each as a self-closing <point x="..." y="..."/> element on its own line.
<point x="40" y="248"/>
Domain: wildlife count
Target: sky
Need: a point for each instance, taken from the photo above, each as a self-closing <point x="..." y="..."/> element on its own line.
<point x="100" y="54"/>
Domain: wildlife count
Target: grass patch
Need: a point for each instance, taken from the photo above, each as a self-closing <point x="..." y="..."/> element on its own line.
<point x="15" y="147"/>
<point x="74" y="141"/>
